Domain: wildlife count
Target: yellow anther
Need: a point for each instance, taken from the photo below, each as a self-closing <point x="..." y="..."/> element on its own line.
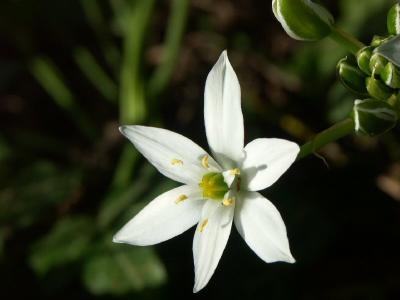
<point x="203" y="225"/>
<point x="176" y="162"/>
<point x="181" y="198"/>
<point x="228" y="201"/>
<point x="234" y="172"/>
<point x="204" y="161"/>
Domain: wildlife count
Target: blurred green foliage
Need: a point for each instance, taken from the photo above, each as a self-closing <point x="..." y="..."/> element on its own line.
<point x="43" y="188"/>
<point x="123" y="270"/>
<point x="62" y="245"/>
<point x="72" y="71"/>
<point x="31" y="193"/>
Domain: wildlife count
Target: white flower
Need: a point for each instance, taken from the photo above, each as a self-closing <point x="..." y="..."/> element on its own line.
<point x="215" y="192"/>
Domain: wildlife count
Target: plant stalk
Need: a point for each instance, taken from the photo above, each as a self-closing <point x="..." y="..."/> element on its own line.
<point x="327" y="136"/>
<point x="346" y="40"/>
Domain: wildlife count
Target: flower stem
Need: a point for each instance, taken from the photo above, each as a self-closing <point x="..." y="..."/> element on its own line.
<point x="346" y="40"/>
<point x="327" y="136"/>
<point x="173" y="41"/>
<point x="133" y="106"/>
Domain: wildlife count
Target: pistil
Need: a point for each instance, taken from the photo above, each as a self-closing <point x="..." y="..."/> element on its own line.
<point x="213" y="186"/>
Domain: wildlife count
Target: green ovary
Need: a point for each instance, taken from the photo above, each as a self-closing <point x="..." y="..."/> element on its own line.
<point x="213" y="186"/>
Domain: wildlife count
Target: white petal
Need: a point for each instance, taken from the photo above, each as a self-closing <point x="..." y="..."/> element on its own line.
<point x="163" y="218"/>
<point x="210" y="240"/>
<point x="174" y="155"/>
<point x="265" y="161"/>
<point x="261" y="226"/>
<point x="223" y="114"/>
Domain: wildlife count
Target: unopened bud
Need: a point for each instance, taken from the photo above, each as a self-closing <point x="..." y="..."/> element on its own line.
<point x="377" y="63"/>
<point x="377" y="89"/>
<point x="394" y="102"/>
<point x="303" y="19"/>
<point x="373" y="117"/>
<point x="391" y="76"/>
<point x="363" y="58"/>
<point x="351" y="77"/>
<point x="393" y="20"/>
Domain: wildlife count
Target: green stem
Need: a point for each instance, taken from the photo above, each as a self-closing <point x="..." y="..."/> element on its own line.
<point x="175" y="30"/>
<point x="132" y="102"/>
<point x="346" y="40"/>
<point x="132" y="92"/>
<point x="123" y="171"/>
<point x="327" y="136"/>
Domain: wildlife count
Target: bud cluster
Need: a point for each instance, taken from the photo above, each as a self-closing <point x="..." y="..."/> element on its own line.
<point x="371" y="75"/>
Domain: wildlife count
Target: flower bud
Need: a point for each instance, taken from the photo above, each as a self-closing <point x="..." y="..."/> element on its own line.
<point x="377" y="89"/>
<point x="363" y="58"/>
<point x="303" y="19"/>
<point x="394" y="102"/>
<point x="351" y="76"/>
<point x="377" y="63"/>
<point x="393" y="20"/>
<point x="373" y="117"/>
<point x="391" y="76"/>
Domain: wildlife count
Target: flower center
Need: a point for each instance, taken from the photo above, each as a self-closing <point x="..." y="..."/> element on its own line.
<point x="213" y="186"/>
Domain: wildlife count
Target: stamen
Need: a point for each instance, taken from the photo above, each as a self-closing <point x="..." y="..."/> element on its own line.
<point x="181" y="198"/>
<point x="176" y="162"/>
<point x="203" y="225"/>
<point x="235" y="171"/>
<point x="204" y="161"/>
<point x="228" y="201"/>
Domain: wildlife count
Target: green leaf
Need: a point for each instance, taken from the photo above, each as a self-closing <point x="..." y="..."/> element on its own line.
<point x="67" y="242"/>
<point x="122" y="270"/>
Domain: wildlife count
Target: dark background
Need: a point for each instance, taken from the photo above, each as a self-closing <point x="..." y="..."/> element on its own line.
<point x="69" y="181"/>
